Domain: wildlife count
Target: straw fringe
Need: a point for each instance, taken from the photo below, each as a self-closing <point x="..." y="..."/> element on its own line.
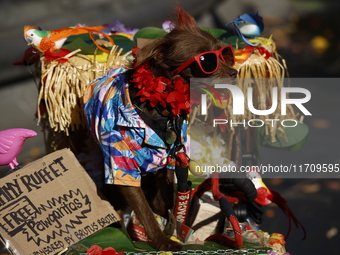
<point x="62" y="86"/>
<point x="254" y="73"/>
<point x="251" y="73"/>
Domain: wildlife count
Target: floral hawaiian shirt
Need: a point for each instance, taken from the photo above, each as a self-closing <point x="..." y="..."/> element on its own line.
<point x="130" y="147"/>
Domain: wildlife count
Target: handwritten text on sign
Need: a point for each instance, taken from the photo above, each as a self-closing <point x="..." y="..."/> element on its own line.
<point x="42" y="206"/>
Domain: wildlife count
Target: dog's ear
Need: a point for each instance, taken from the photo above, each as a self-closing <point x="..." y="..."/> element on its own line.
<point x="184" y="21"/>
<point x="154" y="51"/>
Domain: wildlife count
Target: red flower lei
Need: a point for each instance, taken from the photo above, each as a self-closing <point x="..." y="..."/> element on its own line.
<point x="173" y="95"/>
<point x="97" y="250"/>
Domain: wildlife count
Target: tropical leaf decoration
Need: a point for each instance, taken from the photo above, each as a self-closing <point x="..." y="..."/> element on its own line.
<point x="150" y="33"/>
<point x="78" y="42"/>
<point x="86" y="45"/>
<point x="221" y="34"/>
<point x="112" y="237"/>
<point x="106" y="237"/>
<point x="218" y="33"/>
<point x="234" y="41"/>
<point x="292" y="139"/>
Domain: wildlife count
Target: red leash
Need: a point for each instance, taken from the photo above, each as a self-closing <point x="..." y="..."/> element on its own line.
<point x="226" y="203"/>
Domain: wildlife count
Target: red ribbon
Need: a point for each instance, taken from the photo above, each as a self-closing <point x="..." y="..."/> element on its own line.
<point x="59" y="55"/>
<point x="264" y="52"/>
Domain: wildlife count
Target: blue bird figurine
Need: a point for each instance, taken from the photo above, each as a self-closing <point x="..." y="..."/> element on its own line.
<point x="248" y="25"/>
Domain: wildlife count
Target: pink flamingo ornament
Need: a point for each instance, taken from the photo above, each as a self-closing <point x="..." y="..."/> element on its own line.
<point x="11" y="142"/>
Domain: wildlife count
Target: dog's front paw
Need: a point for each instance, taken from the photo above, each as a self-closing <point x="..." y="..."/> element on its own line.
<point x="166" y="244"/>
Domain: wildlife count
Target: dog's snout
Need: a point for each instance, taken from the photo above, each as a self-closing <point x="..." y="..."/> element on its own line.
<point x="232" y="72"/>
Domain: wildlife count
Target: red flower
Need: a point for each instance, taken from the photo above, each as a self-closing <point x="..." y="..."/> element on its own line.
<point x="94" y="250"/>
<point x="97" y="250"/>
<point x="160" y="90"/>
<point x="180" y="85"/>
<point x="110" y="251"/>
<point x="155" y="99"/>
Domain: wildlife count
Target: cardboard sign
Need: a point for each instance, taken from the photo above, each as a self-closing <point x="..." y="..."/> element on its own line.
<point x="49" y="205"/>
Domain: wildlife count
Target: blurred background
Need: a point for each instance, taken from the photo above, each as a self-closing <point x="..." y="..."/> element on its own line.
<point x="307" y="37"/>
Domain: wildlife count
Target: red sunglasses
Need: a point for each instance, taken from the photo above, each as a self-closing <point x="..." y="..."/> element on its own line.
<point x="209" y="61"/>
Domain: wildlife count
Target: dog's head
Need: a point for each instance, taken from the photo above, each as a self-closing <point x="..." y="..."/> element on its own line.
<point x="183" y="43"/>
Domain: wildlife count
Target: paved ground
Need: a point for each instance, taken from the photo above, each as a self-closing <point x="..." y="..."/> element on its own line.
<point x="313" y="200"/>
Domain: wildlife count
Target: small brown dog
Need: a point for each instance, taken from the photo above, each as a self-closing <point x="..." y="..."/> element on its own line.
<point x="185" y="52"/>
